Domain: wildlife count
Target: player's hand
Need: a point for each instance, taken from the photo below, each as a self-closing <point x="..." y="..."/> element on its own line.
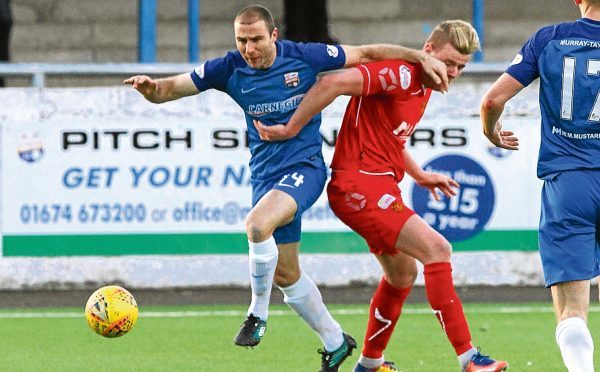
<point x="277" y="132"/>
<point x="143" y="84"/>
<point x="436" y="70"/>
<point x="505" y="139"/>
<point x="435" y="181"/>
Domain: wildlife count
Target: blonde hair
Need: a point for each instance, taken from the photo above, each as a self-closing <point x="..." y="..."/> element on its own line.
<point x="460" y="34"/>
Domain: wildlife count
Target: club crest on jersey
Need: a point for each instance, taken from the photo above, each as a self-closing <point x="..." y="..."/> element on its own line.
<point x="291" y="79"/>
<point x="397" y="206"/>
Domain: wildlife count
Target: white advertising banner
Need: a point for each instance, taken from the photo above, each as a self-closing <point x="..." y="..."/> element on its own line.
<point x="103" y="161"/>
<point x="108" y="176"/>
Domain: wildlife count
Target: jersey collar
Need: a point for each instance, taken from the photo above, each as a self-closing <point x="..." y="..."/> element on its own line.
<point x="590" y="21"/>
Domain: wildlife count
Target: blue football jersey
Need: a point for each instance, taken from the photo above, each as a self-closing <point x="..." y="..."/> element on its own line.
<point x="272" y="95"/>
<point x="566" y="58"/>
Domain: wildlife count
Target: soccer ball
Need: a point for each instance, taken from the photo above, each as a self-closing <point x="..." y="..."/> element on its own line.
<point x="111" y="311"/>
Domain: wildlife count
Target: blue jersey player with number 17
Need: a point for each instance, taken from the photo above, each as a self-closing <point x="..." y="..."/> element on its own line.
<point x="268" y="78"/>
<point x="566" y="58"/>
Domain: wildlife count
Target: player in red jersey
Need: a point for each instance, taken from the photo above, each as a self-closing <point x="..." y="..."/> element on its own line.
<point x="370" y="158"/>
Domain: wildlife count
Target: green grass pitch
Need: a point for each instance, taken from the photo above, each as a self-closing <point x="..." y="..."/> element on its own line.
<point x="200" y="339"/>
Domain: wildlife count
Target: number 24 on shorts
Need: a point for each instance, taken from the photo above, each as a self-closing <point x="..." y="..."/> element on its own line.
<point x="293" y="180"/>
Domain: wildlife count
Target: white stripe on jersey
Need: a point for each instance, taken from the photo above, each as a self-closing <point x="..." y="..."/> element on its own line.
<point x="376" y="174"/>
<point x="361" y="97"/>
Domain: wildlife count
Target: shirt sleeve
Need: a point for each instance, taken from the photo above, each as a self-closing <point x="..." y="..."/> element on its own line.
<point x="323" y="57"/>
<point x="524" y="67"/>
<point x="213" y="73"/>
<point x="391" y="77"/>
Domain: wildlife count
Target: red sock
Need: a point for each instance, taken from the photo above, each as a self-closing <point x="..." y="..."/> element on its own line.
<point x="385" y="309"/>
<point x="447" y="306"/>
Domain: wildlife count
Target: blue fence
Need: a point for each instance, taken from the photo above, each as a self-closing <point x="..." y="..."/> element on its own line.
<point x="147" y="30"/>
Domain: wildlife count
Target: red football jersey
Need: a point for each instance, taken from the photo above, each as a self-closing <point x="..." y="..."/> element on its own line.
<point x="377" y="124"/>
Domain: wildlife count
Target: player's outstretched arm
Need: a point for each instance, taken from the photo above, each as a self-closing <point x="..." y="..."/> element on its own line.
<point x="163" y="90"/>
<point x="319" y="96"/>
<point x="492" y="107"/>
<point x="434" y="68"/>
<point x="430" y="180"/>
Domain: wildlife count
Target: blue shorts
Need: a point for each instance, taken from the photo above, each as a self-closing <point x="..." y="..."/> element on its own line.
<point x="568" y="236"/>
<point x="305" y="184"/>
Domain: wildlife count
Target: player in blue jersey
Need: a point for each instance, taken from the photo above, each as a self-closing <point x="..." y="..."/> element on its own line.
<point x="566" y="58"/>
<point x="268" y="78"/>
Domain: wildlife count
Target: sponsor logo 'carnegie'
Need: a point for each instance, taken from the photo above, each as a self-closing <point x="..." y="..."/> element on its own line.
<point x="269" y="107"/>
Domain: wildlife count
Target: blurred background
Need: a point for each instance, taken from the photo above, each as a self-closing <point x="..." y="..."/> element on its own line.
<point x="113" y="31"/>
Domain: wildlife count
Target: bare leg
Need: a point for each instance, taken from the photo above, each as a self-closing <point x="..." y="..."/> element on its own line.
<point x="419" y="240"/>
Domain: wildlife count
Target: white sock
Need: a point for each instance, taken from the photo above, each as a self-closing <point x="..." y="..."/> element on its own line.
<point x="305" y="299"/>
<point x="370" y="363"/>
<point x="576" y="345"/>
<point x="263" y="260"/>
<point x="465" y="357"/>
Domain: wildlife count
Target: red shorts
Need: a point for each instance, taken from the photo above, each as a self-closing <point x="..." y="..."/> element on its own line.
<point x="370" y="205"/>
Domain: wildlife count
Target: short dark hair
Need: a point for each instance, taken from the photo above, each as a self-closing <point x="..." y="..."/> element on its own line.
<point x="254" y="13"/>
